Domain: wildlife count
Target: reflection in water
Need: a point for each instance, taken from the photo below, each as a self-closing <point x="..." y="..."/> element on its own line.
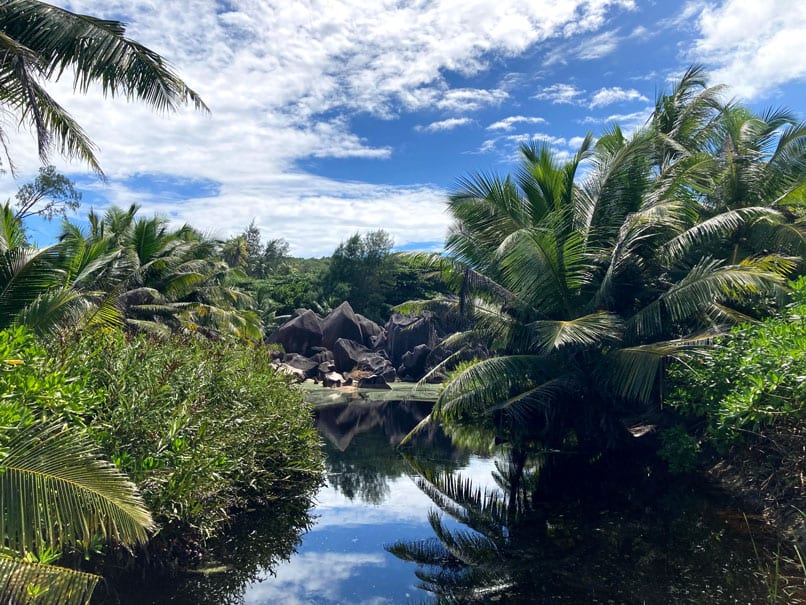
<point x="257" y="543"/>
<point x="360" y="439"/>
<point x="507" y="526"/>
<point x="587" y="543"/>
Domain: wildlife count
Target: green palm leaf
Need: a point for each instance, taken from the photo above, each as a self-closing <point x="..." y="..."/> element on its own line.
<point x="54" y="489"/>
<point x="31" y="583"/>
<point x="595" y="329"/>
<point x="24" y="274"/>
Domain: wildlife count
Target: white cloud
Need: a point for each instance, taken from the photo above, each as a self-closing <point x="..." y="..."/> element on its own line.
<point x="442" y="125"/>
<point x="284" y="81"/>
<point x="469" y="99"/>
<point x="508" y="123"/>
<point x="752" y="46"/>
<point x="560" y="93"/>
<point x="317" y="575"/>
<point x="628" y="122"/>
<point x="586" y="49"/>
<point x="616" y="94"/>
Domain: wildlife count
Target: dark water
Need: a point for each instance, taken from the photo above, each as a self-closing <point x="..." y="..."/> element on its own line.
<point x="497" y="526"/>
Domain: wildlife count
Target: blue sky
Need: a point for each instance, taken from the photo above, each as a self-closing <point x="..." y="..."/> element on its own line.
<point x="336" y="116"/>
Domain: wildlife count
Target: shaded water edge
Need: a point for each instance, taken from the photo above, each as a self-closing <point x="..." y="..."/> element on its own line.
<point x="440" y="523"/>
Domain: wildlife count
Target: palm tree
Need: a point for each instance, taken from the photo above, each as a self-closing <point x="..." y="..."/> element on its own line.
<point x="56" y="491"/>
<point x="40" y="42"/>
<point x="584" y="286"/>
<point x="165" y="280"/>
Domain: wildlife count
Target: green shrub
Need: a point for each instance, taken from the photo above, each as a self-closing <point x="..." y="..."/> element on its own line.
<point x="679" y="449"/>
<point x="34" y="387"/>
<point x="755" y="377"/>
<point x="203" y="428"/>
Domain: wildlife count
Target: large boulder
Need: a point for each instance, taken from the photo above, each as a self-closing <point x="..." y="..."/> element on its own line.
<point x="341" y="323"/>
<point x="300" y="334"/>
<point x="378" y="363"/>
<point x="373" y="382"/>
<point x="322" y="355"/>
<point x="287" y="370"/>
<point x="371" y="332"/>
<point x="308" y="366"/>
<point x="414" y="363"/>
<point x="347" y="353"/>
<point x="404" y="332"/>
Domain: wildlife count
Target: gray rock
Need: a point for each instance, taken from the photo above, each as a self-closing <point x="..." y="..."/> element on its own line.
<point x="341" y="323"/>
<point x="347" y="354"/>
<point x="332" y="379"/>
<point x="414" y="363"/>
<point x="404" y="332"/>
<point x="308" y="366"/>
<point x="370" y="331"/>
<point x="295" y="373"/>
<point x="377" y="363"/>
<point x="300" y="334"/>
<point x="322" y="356"/>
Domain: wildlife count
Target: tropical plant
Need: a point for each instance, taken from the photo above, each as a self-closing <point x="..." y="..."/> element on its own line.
<point x="752" y="380"/>
<point x="584" y="286"/>
<point x="56" y="491"/>
<point x="204" y="428"/>
<point x="41" y="42"/>
<point x="168" y="279"/>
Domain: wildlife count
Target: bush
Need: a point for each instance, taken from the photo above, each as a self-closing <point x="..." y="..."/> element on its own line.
<point x="34" y="387"/>
<point x="203" y="428"/>
<point x="754" y="378"/>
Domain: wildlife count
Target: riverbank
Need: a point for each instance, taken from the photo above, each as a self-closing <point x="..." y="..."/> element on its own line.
<point x="767" y="473"/>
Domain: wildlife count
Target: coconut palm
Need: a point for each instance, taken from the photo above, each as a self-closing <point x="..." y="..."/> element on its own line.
<point x="165" y="280"/>
<point x="597" y="280"/>
<point x="41" y="42"/>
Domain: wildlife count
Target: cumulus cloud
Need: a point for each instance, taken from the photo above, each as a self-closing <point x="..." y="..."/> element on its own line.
<point x="508" y="123"/>
<point x="442" y="125"/>
<point x="284" y="82"/>
<point x="616" y="94"/>
<point x="560" y="93"/>
<point x="752" y="46"/>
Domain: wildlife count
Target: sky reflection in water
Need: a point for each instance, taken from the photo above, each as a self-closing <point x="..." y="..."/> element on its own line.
<point x="342" y="558"/>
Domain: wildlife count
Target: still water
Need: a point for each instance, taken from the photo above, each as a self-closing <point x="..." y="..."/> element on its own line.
<point x="476" y="524"/>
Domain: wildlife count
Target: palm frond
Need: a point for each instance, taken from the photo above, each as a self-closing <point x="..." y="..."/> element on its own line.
<point x="27" y="582"/>
<point x="97" y="51"/>
<point x="25" y="273"/>
<point x="595" y="329"/>
<point x="709" y="281"/>
<point x="55" y="489"/>
<point x="634" y="372"/>
<point x="721" y="225"/>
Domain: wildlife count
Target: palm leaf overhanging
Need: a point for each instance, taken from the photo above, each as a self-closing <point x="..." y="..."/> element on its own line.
<point x="584" y="286"/>
<point x="41" y="42"/>
<point x="56" y="491"/>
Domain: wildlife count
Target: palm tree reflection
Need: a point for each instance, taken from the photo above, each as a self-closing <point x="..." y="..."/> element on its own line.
<point x="475" y="564"/>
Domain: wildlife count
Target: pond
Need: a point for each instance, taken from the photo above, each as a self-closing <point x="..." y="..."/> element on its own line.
<point x="474" y="524"/>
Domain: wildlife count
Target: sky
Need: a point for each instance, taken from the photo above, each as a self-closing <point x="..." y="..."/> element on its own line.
<point x="331" y="117"/>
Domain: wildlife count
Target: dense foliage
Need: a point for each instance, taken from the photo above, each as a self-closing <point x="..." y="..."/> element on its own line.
<point x="753" y="378"/>
<point x="584" y="286"/>
<point x="204" y="429"/>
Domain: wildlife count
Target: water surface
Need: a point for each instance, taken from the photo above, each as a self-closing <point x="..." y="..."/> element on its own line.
<point x="564" y="531"/>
